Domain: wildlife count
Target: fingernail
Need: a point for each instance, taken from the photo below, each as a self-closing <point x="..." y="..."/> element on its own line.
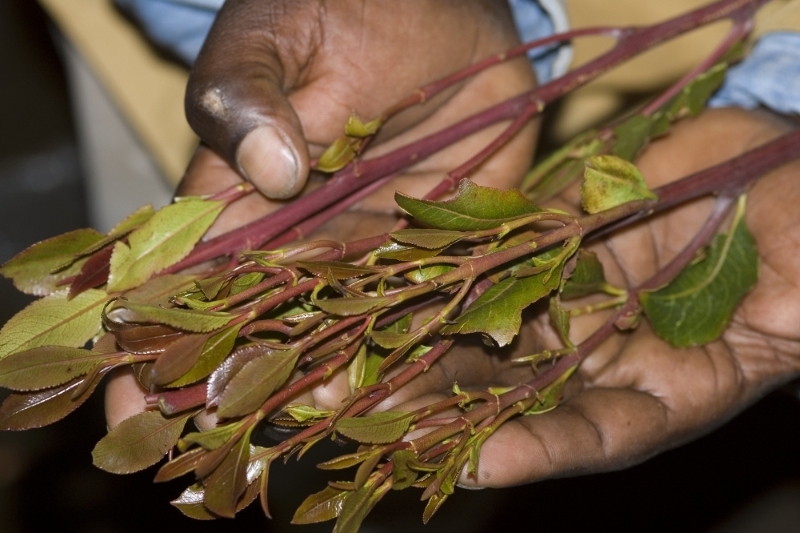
<point x="268" y="162"/>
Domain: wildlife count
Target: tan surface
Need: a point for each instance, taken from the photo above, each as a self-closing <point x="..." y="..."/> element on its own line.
<point x="149" y="90"/>
<point x="146" y="88"/>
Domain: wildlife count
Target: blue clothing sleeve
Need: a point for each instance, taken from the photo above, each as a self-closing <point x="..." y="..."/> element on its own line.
<point x="179" y="26"/>
<point x="769" y="76"/>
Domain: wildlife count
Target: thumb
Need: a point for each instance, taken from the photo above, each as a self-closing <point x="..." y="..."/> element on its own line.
<point x="235" y="98"/>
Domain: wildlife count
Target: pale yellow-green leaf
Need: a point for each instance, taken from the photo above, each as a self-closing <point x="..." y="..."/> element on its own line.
<point x="610" y="181"/>
<point x="166" y="238"/>
<point x="54" y="320"/>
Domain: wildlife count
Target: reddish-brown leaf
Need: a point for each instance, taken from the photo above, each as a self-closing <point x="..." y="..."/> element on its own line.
<point x="228" y="481"/>
<point x="37" y="409"/>
<point x="94" y="272"/>
<point x="233" y="364"/>
<point x="146" y="340"/>
<point x="178" y="357"/>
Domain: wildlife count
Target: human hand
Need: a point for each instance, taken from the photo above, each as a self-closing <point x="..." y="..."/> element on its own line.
<point x="277" y="80"/>
<point x="637" y="396"/>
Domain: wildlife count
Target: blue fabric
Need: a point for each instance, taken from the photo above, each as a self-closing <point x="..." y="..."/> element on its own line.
<point x="533" y="23"/>
<point x="179" y="26"/>
<point x="769" y="76"/>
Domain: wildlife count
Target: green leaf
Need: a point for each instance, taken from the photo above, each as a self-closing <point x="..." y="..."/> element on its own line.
<point x="403" y="473"/>
<point x="54" y="320"/>
<point x="225" y="371"/>
<point x="474" y="208"/>
<point x="353" y="306"/>
<point x="562" y="167"/>
<point x="390" y="339"/>
<point x="421" y="275"/>
<point x="434" y="504"/>
<point x="46" y="366"/>
<point x="696" y="307"/>
<point x="372" y="373"/>
<point x="633" y="134"/>
<point x="498" y="311"/>
<point x="337" y="155"/>
<point x="32" y="269"/>
<point x="138" y="442"/>
<point x="122" y="311"/>
<point x="356" y="128"/>
<point x="692" y="99"/>
<point x="229" y="480"/>
<point x="160" y="290"/>
<point x="255" y="382"/>
<point x="178" y="357"/>
<point x="549" y="397"/>
<point x="430" y="239"/>
<point x="190" y="503"/>
<point x="356" y="368"/>
<point x="335" y="270"/>
<point x="304" y="413"/>
<point x="211" y="439"/>
<point x="587" y="278"/>
<point x="37" y="409"/>
<point x="130" y="223"/>
<point x="611" y="181"/>
<point x="215" y="350"/>
<point x="559" y="319"/>
<point x="162" y="241"/>
<point x="404" y="252"/>
<point x="357" y="505"/>
<point x="242" y="283"/>
<point x="380" y="428"/>
<point x="320" y="507"/>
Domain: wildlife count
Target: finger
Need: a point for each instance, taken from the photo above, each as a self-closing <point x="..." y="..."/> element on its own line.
<point x="235" y="98"/>
<point x="124" y="397"/>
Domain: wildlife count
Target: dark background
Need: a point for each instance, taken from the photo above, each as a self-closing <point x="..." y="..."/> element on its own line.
<point x="745" y="477"/>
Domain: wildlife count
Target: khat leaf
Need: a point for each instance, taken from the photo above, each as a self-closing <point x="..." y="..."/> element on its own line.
<point x="255" y="382"/>
<point x="549" y="397"/>
<point x="130" y="223"/>
<point x="212" y="439"/>
<point x="126" y="312"/>
<point x="696" y="307"/>
<point x="46" y="366"/>
<point x="163" y="240"/>
<point x="356" y="128"/>
<point x="32" y="269"/>
<point x="242" y="283"/>
<point x="215" y="350"/>
<point x="54" y="320"/>
<point x="178" y="357"/>
<point x="353" y="306"/>
<point x="498" y="311"/>
<point x="610" y="181"/>
<point x="93" y="273"/>
<point x="692" y="99"/>
<point x="21" y="411"/>
<point x="434" y="504"/>
<point x="225" y="371"/>
<point x="474" y="208"/>
<point x="404" y="252"/>
<point x="561" y="168"/>
<point x="159" y="291"/>
<point x="180" y="465"/>
<point x="356" y="368"/>
<point x="138" y="442"/>
<point x="380" y="428"/>
<point x="229" y="480"/>
<point x="335" y="270"/>
<point x="304" y="413"/>
<point x="357" y="505"/>
<point x="587" y="278"/>
<point x="559" y="319"/>
<point x="634" y="133"/>
<point x="390" y="339"/>
<point x="423" y="274"/>
<point x="146" y="339"/>
<point x="190" y="503"/>
<point x="430" y="239"/>
<point x="337" y="155"/>
<point x="320" y="507"/>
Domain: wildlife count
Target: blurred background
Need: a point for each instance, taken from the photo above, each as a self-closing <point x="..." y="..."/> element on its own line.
<point x="745" y="477"/>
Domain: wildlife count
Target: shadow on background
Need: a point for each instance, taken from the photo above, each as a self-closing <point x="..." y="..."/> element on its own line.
<point x="745" y="477"/>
